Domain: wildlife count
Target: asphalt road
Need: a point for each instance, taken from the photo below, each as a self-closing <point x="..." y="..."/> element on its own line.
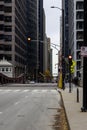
<point x="28" y="108"/>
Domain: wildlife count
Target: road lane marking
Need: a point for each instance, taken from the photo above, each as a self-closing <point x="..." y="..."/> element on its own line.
<point x="17" y="90"/>
<point x="34" y="91"/>
<point x="26" y="90"/>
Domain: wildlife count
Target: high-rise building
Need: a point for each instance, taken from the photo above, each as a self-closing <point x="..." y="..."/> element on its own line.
<point x="13" y="33"/>
<point x="76" y="19"/>
<point x="32" y="33"/>
<point x="65" y="27"/>
<point x="41" y="36"/>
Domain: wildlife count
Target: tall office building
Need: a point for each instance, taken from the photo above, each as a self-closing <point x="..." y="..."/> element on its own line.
<point x="41" y="35"/>
<point x="13" y="33"/>
<point x="76" y="19"/>
<point x="32" y="32"/>
<point x="36" y="48"/>
<point x="65" y="27"/>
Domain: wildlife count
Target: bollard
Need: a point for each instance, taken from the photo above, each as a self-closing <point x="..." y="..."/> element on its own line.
<point x="77" y="94"/>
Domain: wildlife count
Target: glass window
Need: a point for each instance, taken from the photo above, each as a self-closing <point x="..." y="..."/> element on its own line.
<point x="8" y="9"/>
<point x="1" y="36"/>
<point x="8" y="1"/>
<point x="8" y="37"/>
<point x="8" y="18"/>
<point x="2" y="69"/>
<point x="79" y="5"/>
<point x="79" y="15"/>
<point x="8" y="28"/>
<point x="1" y="27"/>
<point x="1" y="17"/>
<point x="1" y="8"/>
<point x="6" y="69"/>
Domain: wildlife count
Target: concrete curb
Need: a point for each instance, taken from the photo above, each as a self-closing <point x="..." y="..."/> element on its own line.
<point x="64" y="109"/>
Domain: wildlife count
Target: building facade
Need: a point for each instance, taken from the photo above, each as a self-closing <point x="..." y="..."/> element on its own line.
<point x="13" y="33"/>
<point x="76" y="25"/>
<point x="32" y="32"/>
<point x="41" y="36"/>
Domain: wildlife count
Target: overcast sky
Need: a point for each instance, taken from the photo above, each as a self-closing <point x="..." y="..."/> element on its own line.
<point x="53" y="26"/>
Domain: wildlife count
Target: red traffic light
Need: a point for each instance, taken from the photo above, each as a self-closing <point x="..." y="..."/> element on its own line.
<point x="70" y="57"/>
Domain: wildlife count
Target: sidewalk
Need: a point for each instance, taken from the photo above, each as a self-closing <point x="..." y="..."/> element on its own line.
<point x="77" y="120"/>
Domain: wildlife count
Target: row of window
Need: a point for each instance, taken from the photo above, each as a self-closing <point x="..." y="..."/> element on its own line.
<point x="5" y="69"/>
<point x="6" y="1"/>
<point x="5" y="47"/>
<point x="7" y="28"/>
<point x="8" y="57"/>
<point x="6" y="9"/>
<point x="6" y="37"/>
<point x="5" y="18"/>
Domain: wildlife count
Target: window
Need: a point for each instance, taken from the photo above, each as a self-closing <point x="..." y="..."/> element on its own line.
<point x="6" y="69"/>
<point x="79" y="5"/>
<point x="1" y="17"/>
<point x="8" y="28"/>
<point x="79" y="15"/>
<point x="79" y="35"/>
<point x="8" y="19"/>
<point x="8" y="37"/>
<point x="1" y="27"/>
<point x="1" y="8"/>
<point x="1" y="36"/>
<point x="2" y="69"/>
<point x="8" y="9"/>
<point x="8" y="1"/>
<point x="79" y="25"/>
<point x="7" y="47"/>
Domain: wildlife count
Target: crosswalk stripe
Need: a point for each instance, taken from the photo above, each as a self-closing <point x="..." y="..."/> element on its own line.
<point x="27" y="90"/>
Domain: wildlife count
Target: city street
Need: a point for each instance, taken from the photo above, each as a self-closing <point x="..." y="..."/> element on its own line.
<point x="28" y="108"/>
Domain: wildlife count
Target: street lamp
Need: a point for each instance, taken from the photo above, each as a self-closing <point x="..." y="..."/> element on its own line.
<point x="63" y="60"/>
<point x="36" y="67"/>
<point x="43" y="42"/>
<point x="56" y="7"/>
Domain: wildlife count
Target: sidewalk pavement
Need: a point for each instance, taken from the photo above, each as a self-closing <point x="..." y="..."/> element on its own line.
<point x="76" y="118"/>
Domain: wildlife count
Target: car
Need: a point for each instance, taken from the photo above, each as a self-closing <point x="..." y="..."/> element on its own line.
<point x="32" y="82"/>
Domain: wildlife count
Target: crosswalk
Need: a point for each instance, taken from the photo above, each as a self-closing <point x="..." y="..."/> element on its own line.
<point x="27" y="90"/>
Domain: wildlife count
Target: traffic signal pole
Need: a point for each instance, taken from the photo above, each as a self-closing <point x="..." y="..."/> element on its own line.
<point x="70" y="63"/>
<point x="69" y="80"/>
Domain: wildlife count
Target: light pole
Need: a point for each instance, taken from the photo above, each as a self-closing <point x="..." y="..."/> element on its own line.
<point x="63" y="60"/>
<point x="44" y="42"/>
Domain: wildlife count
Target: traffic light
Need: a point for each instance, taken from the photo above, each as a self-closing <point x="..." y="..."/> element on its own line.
<point x="70" y="60"/>
<point x="29" y="39"/>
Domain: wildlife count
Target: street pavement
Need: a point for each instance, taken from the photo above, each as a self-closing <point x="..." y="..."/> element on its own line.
<point x="77" y="119"/>
<point x="29" y="107"/>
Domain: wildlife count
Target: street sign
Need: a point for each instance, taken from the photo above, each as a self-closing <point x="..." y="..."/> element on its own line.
<point x="84" y="51"/>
